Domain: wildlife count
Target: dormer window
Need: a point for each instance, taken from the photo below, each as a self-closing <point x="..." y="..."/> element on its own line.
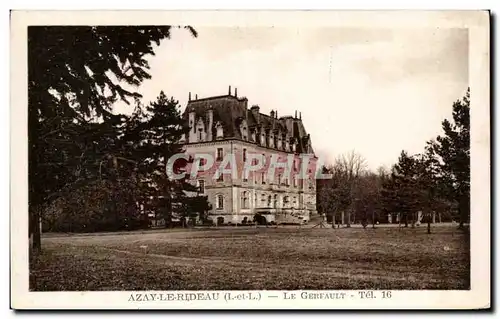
<point x="271" y="140"/>
<point x="219" y="130"/>
<point x="200" y="131"/>
<point x="245" y="133"/>
<point x="253" y="137"/>
<point x="244" y="130"/>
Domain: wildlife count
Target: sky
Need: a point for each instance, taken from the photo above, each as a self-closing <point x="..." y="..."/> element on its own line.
<point x="373" y="91"/>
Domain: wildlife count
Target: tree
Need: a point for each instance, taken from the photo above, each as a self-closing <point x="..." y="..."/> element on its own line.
<point x="399" y="191"/>
<point x="338" y="193"/>
<point x="352" y="165"/>
<point x="195" y="206"/>
<point x="332" y="193"/>
<point x="153" y="136"/>
<point x="427" y="185"/>
<point x="453" y="152"/>
<point x="366" y="198"/>
<point x="75" y="74"/>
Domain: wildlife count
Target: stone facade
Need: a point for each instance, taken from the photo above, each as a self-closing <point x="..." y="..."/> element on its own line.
<point x="225" y="125"/>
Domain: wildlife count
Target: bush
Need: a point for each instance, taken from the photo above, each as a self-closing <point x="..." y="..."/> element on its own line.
<point x="260" y="219"/>
<point x="207" y="222"/>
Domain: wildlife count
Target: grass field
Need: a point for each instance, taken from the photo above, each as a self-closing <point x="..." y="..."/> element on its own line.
<point x="255" y="258"/>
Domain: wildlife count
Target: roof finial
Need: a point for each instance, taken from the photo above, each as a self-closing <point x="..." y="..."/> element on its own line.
<point x="229" y="90"/>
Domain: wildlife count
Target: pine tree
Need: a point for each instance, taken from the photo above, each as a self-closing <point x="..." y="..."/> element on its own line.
<point x="154" y="135"/>
<point x="453" y="152"/>
<point x="400" y="191"/>
<point x="76" y="73"/>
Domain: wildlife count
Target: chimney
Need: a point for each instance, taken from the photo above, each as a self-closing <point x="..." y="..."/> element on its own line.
<point x="189" y="96"/>
<point x="295" y="113"/>
<point x="210" y="119"/>
<point x="300" y="115"/>
<point x="229" y="90"/>
<point x="272" y="113"/>
<point x="235" y="92"/>
<point x="276" y="113"/>
<point x="196" y="97"/>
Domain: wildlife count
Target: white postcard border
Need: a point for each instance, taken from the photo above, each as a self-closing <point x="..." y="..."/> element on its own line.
<point x="479" y="70"/>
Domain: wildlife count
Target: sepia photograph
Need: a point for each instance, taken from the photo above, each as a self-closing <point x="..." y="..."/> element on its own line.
<point x="184" y="162"/>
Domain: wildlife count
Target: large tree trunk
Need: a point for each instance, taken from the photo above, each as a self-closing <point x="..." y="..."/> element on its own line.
<point x="429" y="221"/>
<point x="34" y="199"/>
<point x="35" y="230"/>
<point x="464" y="211"/>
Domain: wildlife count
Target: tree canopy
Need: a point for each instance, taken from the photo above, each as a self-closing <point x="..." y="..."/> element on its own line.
<point x="75" y="75"/>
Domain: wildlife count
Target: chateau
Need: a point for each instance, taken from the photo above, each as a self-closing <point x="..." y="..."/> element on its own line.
<point x="225" y="125"/>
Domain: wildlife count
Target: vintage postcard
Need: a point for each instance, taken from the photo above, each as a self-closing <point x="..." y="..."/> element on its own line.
<point x="250" y="160"/>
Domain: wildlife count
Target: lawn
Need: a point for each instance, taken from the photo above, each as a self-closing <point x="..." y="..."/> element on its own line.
<point x="255" y="258"/>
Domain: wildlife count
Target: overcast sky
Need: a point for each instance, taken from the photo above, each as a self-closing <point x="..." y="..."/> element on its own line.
<point x="375" y="91"/>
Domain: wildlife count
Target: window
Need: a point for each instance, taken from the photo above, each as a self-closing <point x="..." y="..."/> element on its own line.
<point x="200" y="134"/>
<point x="244" y="200"/>
<point x="219" y="130"/>
<point x="244" y="155"/>
<point x="220" y="178"/>
<point x="275" y="203"/>
<point x="220" y="202"/>
<point x="269" y="201"/>
<point x="255" y="201"/>
<point x="201" y="185"/>
<point x="285" y="201"/>
<point x="220" y="154"/>
<point x="263" y="178"/>
<point x="311" y="184"/>
<point x="279" y="179"/>
<point x="245" y="135"/>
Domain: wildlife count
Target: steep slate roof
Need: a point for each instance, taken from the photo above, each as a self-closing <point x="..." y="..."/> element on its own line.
<point x="230" y="111"/>
<point x="226" y="108"/>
